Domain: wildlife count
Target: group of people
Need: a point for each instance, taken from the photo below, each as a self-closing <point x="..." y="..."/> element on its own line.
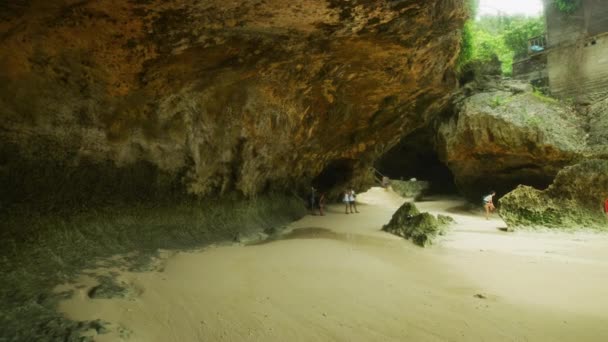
<point x="349" y="198"/>
<point x="318" y="202"/>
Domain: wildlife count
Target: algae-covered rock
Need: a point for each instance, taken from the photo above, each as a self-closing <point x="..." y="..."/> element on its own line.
<point x="574" y="200"/>
<point x="444" y="222"/>
<point x="421" y="228"/>
<point x="409" y="188"/>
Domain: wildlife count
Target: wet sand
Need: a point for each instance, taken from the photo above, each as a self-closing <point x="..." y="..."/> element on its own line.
<point x="339" y="278"/>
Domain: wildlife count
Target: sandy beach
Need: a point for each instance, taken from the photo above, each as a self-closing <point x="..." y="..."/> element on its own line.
<point x="340" y="278"/>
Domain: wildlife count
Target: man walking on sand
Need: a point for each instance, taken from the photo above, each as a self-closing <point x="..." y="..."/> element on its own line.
<point x="488" y="204"/>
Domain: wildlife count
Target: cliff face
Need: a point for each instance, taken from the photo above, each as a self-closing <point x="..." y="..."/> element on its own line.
<point x="508" y="135"/>
<point x="213" y="96"/>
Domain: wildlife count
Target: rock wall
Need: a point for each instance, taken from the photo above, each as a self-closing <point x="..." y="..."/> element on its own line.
<point x="212" y="97"/>
<point x="574" y="200"/>
<point x="502" y="134"/>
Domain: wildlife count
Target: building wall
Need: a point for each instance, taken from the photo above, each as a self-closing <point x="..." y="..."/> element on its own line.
<point x="577" y="58"/>
<point x="580" y="71"/>
<point x="590" y="19"/>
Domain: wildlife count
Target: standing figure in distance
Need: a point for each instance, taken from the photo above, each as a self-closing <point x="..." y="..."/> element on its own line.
<point x="488" y="204"/>
<point x="345" y="199"/>
<point x="322" y="204"/>
<point x="352" y="200"/>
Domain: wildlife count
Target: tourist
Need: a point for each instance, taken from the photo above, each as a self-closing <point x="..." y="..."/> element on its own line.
<point x="352" y="200"/>
<point x="346" y="201"/>
<point x="385" y="182"/>
<point x="606" y="208"/>
<point x="312" y="199"/>
<point x="488" y="204"/>
<point x="322" y="204"/>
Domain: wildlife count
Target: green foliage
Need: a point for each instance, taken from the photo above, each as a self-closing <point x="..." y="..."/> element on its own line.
<point x="502" y="37"/>
<point x="466" y="46"/>
<point x="517" y="34"/>
<point x="466" y="43"/>
<point x="497" y="101"/>
<point x="567" y="6"/>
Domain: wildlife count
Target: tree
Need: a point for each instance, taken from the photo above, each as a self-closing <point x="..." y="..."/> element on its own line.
<point x="518" y="33"/>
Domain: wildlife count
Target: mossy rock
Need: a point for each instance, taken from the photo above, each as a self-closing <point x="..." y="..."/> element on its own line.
<point x="574" y="200"/>
<point x="409" y="188"/>
<point x="421" y="228"/>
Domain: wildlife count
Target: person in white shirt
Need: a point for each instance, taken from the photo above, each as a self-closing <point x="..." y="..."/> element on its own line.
<point x="488" y="204"/>
<point x="346" y="200"/>
<point x="352" y="200"/>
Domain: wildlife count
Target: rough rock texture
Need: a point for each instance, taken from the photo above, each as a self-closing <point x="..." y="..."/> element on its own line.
<point x="597" y="115"/>
<point x="574" y="200"/>
<point x="210" y="97"/>
<point x="508" y="135"/>
<point x="409" y="188"/>
<point x="421" y="228"/>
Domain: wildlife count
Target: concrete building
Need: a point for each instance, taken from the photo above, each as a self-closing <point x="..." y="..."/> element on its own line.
<point x="572" y="59"/>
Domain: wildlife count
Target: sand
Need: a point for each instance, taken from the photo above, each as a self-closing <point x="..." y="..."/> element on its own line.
<point x="339" y="278"/>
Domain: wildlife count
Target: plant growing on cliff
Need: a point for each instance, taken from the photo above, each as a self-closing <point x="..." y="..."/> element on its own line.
<point x="567" y="6"/>
<point x="505" y="37"/>
<point x="466" y="43"/>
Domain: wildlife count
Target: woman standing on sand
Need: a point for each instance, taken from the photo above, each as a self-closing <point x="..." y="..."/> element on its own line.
<point x="351" y="200"/>
<point x="488" y="204"/>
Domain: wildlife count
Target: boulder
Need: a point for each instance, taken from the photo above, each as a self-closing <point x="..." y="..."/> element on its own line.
<point x="574" y="200"/>
<point x="411" y="188"/>
<point x="421" y="228"/>
<point x="498" y="139"/>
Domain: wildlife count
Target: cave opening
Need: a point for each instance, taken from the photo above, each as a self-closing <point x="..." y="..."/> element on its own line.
<point x="337" y="173"/>
<point x="415" y="157"/>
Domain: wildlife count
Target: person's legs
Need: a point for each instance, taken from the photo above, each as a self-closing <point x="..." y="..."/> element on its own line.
<point x="346" y="207"/>
<point x="487" y="207"/>
<point x="355" y="205"/>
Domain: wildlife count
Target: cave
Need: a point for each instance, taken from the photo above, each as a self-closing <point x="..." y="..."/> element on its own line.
<point x="335" y="175"/>
<point x="415" y="157"/>
<point x="157" y="158"/>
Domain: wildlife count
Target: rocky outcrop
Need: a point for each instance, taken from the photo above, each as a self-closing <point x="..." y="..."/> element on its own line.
<point x="411" y="188"/>
<point x="146" y="98"/>
<point x="574" y="200"/>
<point x="503" y="134"/>
<point x="421" y="228"/>
<point x="597" y="118"/>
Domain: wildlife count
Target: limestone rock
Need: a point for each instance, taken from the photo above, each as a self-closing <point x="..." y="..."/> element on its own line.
<point x="500" y="139"/>
<point x="574" y="200"/>
<point x="409" y="188"/>
<point x="421" y="228"/>
<point x="146" y="98"/>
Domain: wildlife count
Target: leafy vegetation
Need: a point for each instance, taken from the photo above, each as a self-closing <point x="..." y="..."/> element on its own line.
<point x="503" y="37"/>
<point x="567" y="6"/>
